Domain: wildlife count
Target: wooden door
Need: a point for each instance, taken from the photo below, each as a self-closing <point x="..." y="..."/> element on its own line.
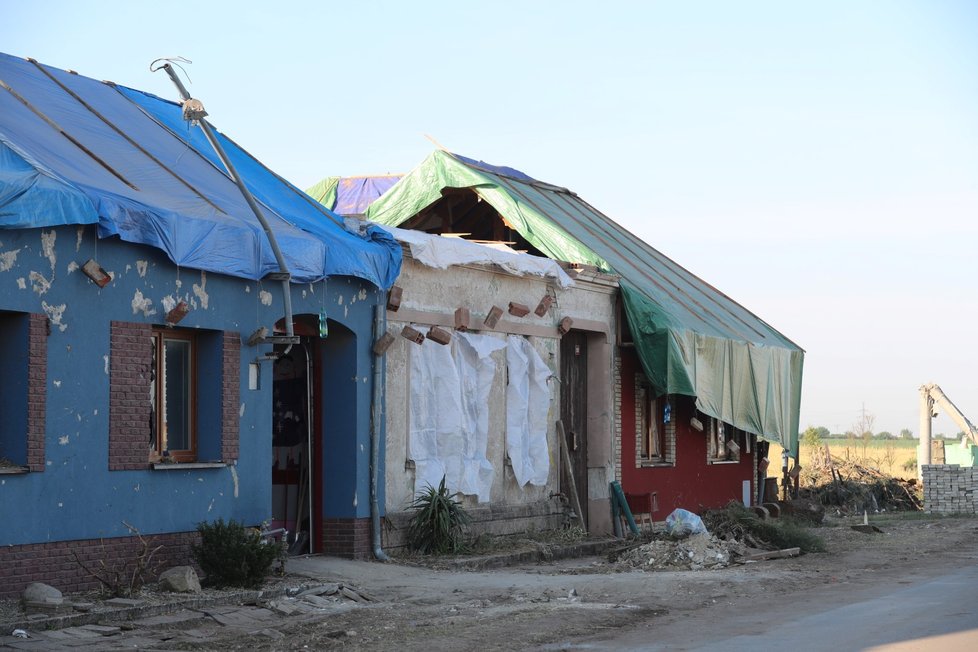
<point x="573" y="413"/>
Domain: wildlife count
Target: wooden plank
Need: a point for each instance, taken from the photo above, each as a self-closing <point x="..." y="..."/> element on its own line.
<point x="576" y="501"/>
<point x="772" y="554"/>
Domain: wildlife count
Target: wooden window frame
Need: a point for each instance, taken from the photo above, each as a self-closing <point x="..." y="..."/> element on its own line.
<point x="718" y="434"/>
<point x="655" y="440"/>
<point x="160" y="336"/>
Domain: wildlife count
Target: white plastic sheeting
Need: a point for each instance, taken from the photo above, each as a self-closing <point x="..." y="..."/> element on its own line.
<point x="441" y="252"/>
<point x="527" y="409"/>
<point x="449" y="413"/>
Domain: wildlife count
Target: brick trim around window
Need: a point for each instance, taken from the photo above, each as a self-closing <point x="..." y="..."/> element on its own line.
<point x="231" y="396"/>
<point x="37" y="381"/>
<point x="130" y="362"/>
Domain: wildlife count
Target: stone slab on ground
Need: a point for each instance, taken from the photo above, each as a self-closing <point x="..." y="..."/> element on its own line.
<point x="170" y="619"/>
<point x="241" y="616"/>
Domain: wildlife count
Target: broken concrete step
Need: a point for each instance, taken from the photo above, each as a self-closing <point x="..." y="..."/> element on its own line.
<point x="325" y="589"/>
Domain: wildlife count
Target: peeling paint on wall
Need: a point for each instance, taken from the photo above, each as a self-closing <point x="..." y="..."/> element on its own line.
<point x="63" y="440"/>
<point x="7" y="259"/>
<point x="201" y="292"/>
<point x="57" y="383"/>
<point x="141" y="266"/>
<point x="47" y="247"/>
<point x="39" y="283"/>
<point x="169" y="303"/>
<point x="106" y="359"/>
<point x="234" y="477"/>
<point x="72" y="266"/>
<point x="241" y="410"/>
<point x="339" y="300"/>
<point x="79" y="233"/>
<point x="247" y="289"/>
<point x="55" y="314"/>
<point x="21" y="283"/>
<point x="142" y="304"/>
<point x="265" y="297"/>
<point x="363" y="294"/>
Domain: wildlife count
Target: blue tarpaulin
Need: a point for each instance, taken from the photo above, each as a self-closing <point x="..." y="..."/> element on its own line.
<point x="74" y="150"/>
<point x="350" y="196"/>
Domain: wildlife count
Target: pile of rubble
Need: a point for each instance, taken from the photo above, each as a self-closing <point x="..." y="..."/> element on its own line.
<point x="854" y="486"/>
<point x="696" y="552"/>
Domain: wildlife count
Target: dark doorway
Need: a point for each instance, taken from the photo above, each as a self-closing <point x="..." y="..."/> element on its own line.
<point x="573" y="413"/>
<point x="292" y="392"/>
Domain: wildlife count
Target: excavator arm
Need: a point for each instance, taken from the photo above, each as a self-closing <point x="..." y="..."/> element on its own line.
<point x="934" y="396"/>
<point x="931" y="397"/>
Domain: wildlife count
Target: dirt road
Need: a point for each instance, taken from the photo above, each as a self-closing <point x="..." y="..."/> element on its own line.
<point x="570" y="602"/>
<point x="574" y="604"/>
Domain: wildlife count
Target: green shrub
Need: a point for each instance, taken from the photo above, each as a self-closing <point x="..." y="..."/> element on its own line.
<point x="439" y="521"/>
<point x="231" y="554"/>
<point x="737" y="522"/>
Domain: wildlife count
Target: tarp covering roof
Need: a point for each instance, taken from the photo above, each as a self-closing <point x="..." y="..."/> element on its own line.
<point x="350" y="196"/>
<point x="691" y="338"/>
<point x="74" y="150"/>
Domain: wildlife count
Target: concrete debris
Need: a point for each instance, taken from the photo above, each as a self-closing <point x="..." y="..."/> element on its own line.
<point x="325" y="589"/>
<point x="125" y="602"/>
<point x="40" y="592"/>
<point x="180" y="579"/>
<point x="696" y="552"/>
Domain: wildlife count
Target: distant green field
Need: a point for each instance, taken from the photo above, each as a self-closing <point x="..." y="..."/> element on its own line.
<point x="886" y="455"/>
<point x="835" y="442"/>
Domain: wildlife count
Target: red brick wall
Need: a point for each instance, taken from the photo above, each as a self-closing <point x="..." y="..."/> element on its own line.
<point x="231" y="397"/>
<point x="55" y="564"/>
<point x="347" y="537"/>
<point x="130" y="362"/>
<point x="37" y="381"/>
<point x="693" y="483"/>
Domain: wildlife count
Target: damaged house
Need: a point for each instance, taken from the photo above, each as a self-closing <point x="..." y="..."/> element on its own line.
<point x="151" y="380"/>
<point x="677" y="402"/>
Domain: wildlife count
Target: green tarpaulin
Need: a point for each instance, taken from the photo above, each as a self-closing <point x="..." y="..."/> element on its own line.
<point x="691" y="338"/>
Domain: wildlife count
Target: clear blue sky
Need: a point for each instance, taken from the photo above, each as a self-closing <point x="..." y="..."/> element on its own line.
<point x="818" y="162"/>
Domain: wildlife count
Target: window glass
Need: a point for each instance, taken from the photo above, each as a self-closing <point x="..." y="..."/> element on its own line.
<point x="177" y="389"/>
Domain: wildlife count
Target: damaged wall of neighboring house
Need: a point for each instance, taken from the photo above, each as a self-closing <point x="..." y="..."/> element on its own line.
<point x="662" y="453"/>
<point x="82" y="400"/>
<point x="473" y="406"/>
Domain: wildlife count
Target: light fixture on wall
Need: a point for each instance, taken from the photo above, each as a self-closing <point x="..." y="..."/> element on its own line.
<point x="94" y="271"/>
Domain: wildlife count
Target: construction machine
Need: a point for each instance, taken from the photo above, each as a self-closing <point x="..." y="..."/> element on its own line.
<point x="932" y="397"/>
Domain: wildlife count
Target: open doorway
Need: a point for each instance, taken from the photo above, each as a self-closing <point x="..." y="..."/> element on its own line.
<point x="292" y="445"/>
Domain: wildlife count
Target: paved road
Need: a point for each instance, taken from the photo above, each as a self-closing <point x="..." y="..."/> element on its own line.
<point x="939" y="614"/>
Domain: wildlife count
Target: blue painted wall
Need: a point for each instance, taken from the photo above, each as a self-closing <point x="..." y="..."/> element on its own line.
<point x="77" y="497"/>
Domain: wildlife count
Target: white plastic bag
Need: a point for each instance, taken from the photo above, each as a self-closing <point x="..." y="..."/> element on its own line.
<point x="682" y="523"/>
